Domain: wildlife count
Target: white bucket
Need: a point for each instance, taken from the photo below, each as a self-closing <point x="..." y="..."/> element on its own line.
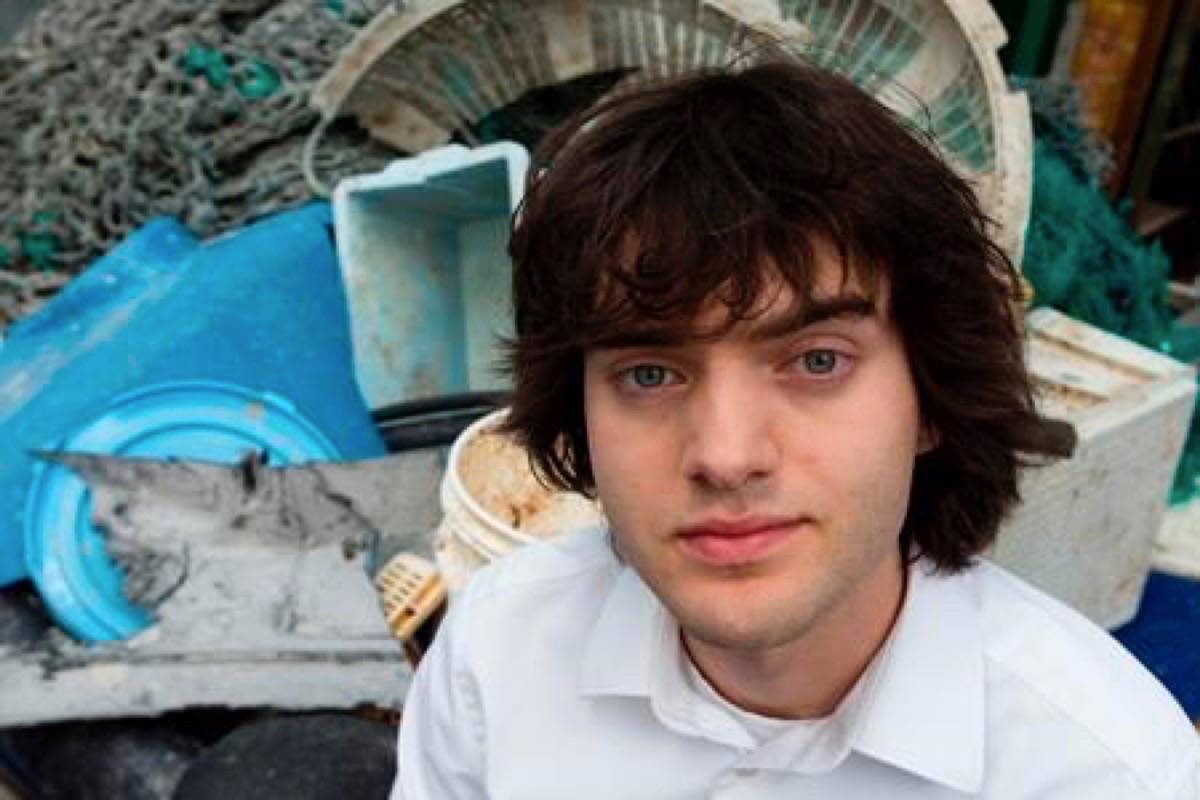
<point x="492" y="503"/>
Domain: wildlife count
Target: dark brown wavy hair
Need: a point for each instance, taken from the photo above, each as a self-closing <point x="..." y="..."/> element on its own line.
<point x="643" y="209"/>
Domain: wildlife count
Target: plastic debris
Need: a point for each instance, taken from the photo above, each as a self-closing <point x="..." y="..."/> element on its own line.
<point x="243" y="309"/>
<point x="270" y="602"/>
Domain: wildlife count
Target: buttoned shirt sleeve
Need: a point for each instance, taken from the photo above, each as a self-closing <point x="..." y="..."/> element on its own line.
<point x="441" y="748"/>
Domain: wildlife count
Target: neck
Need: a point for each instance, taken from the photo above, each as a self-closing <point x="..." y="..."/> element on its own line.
<point x="808" y="677"/>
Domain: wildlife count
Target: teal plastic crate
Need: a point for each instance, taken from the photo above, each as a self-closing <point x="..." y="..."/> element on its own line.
<point x="424" y="258"/>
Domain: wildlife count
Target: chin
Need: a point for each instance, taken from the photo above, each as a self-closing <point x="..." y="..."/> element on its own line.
<point x="740" y="637"/>
<point x="729" y="624"/>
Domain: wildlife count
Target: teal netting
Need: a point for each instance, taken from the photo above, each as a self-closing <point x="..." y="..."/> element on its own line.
<point x="1083" y="257"/>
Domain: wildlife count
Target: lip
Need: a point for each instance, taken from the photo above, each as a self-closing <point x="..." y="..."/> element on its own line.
<point x="726" y="542"/>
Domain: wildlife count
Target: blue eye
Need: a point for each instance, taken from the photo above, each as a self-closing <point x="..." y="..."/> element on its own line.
<point x="648" y="376"/>
<point x="820" y="362"/>
<point x="823" y="363"/>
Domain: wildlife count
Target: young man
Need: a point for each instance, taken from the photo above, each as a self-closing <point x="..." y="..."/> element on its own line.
<point x="764" y="324"/>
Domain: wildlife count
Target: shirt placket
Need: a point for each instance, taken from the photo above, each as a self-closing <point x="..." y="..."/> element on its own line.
<point x="737" y="782"/>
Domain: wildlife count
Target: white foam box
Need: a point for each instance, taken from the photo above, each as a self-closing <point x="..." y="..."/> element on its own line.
<point x="1085" y="528"/>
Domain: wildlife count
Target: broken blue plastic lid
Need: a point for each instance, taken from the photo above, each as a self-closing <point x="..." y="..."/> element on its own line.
<point x="201" y="420"/>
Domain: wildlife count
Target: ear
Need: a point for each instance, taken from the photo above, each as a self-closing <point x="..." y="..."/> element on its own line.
<point x="927" y="439"/>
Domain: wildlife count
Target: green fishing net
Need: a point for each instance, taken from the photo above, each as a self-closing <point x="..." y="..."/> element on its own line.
<point x="1083" y="257"/>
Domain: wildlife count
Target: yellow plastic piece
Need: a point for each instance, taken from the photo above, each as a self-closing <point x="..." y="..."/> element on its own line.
<point x="411" y="589"/>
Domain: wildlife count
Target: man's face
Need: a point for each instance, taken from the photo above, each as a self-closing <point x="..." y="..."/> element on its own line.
<point x="758" y="481"/>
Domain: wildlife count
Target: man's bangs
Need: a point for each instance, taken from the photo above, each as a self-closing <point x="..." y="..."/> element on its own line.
<point x="654" y="291"/>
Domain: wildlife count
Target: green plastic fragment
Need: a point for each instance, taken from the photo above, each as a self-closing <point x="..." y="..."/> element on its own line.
<point x="195" y="60"/>
<point x="217" y="71"/>
<point x="199" y="60"/>
<point x="39" y="247"/>
<point x="357" y="13"/>
<point x="258" y="80"/>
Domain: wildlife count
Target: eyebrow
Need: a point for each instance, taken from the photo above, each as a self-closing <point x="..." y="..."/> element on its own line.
<point x="846" y="306"/>
<point x="776" y="326"/>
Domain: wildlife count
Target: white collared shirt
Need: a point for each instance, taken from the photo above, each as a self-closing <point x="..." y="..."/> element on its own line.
<point x="558" y="674"/>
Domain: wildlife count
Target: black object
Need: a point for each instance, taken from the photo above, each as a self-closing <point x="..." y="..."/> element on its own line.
<point x="14" y="776"/>
<point x="435" y="421"/>
<point x="313" y="757"/>
<point x="99" y="760"/>
<point x="23" y="620"/>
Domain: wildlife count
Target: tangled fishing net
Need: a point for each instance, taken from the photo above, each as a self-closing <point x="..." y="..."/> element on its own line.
<point x="1081" y="254"/>
<point x="115" y="113"/>
<point x="1084" y="258"/>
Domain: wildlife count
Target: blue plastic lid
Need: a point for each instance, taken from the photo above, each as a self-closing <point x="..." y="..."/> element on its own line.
<point x="195" y="420"/>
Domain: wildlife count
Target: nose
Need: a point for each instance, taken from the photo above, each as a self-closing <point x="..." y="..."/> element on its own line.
<point x="729" y="439"/>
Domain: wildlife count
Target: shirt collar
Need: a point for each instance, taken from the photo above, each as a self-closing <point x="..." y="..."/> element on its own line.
<point x="634" y="650"/>
<point x="925" y="713"/>
<point x="924" y="709"/>
<point x="625" y="640"/>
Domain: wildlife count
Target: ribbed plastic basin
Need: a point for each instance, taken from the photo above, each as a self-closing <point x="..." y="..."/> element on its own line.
<point x="196" y="420"/>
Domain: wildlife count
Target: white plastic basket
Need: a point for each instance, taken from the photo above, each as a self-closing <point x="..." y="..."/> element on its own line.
<point x="419" y="72"/>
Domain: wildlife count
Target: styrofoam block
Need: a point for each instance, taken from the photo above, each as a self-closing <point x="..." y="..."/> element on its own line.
<point x="1085" y="528"/>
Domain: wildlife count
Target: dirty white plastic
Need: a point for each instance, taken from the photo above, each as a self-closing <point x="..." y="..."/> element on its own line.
<point x="1085" y="528"/>
<point x="472" y="532"/>
<point x="423" y="69"/>
<point x="423" y="252"/>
